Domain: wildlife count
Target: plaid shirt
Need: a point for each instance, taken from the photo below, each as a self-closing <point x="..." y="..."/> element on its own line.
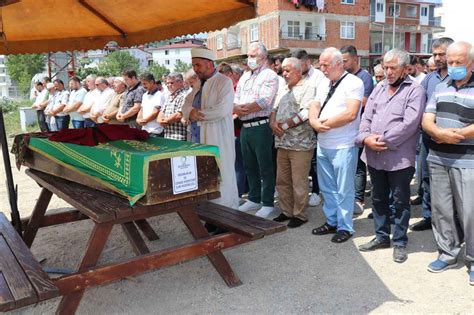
<point x="174" y="103"/>
<point x="259" y="86"/>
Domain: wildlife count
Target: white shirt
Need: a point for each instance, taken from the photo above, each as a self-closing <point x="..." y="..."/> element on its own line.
<point x="77" y="96"/>
<point x="61" y="97"/>
<point x="89" y="100"/>
<point x="41" y="97"/>
<point x="149" y="103"/>
<point x="318" y="80"/>
<point x="420" y="77"/>
<point x="101" y="100"/>
<point x="350" y="88"/>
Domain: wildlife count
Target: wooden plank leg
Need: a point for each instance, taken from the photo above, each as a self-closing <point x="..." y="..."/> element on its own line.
<point x="190" y="218"/>
<point x="137" y="242"/>
<point x="147" y="230"/>
<point x="38" y="214"/>
<point x="98" y="238"/>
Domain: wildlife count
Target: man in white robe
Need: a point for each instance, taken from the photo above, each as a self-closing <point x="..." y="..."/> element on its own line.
<point x="211" y="111"/>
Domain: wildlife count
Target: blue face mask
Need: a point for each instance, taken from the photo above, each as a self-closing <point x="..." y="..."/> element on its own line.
<point x="457" y="73"/>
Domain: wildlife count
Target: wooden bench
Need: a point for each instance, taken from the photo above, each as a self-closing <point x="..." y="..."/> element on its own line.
<point x="22" y="280"/>
<point x="236" y="221"/>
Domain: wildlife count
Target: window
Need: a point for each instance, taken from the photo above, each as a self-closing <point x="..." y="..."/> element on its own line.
<point x="150" y="63"/>
<point x="378" y="47"/>
<point x="2" y="79"/>
<point x="348" y="30"/>
<point x="412" y="42"/>
<point x="2" y="70"/>
<point x="308" y="31"/>
<point x="177" y="52"/>
<point x="348" y="1"/>
<point x="167" y="62"/>
<point x="254" y="32"/>
<point x="294" y="29"/>
<point x="424" y="11"/>
<point x="219" y="42"/>
<point x="411" y="11"/>
<point x="390" y="10"/>
<point x="167" y="52"/>
<point x="380" y="7"/>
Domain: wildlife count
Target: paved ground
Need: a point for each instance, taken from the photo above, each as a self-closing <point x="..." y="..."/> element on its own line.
<point x="288" y="273"/>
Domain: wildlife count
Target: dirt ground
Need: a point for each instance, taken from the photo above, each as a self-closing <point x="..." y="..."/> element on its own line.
<point x="287" y="273"/>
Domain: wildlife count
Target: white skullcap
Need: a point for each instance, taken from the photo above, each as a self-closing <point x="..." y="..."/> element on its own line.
<point x="50" y="85"/>
<point x="121" y="79"/>
<point x="203" y="53"/>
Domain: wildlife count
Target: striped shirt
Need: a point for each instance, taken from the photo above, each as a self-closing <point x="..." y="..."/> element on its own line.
<point x="454" y="108"/>
<point x="259" y="86"/>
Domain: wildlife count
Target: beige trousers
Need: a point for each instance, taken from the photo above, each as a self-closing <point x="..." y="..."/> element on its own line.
<point x="292" y="181"/>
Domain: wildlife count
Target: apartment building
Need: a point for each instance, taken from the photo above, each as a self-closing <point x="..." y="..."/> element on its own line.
<point x="407" y="24"/>
<point x="179" y="50"/>
<point x="284" y="26"/>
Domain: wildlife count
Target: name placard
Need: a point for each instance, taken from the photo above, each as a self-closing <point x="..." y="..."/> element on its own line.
<point x="184" y="174"/>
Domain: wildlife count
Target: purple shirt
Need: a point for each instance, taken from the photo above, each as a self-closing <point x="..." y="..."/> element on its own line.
<point x="397" y="120"/>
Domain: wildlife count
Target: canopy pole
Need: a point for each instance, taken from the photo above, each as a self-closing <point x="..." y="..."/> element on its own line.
<point x="12" y="197"/>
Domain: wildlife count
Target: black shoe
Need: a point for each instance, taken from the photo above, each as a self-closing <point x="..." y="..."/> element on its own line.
<point x="423" y="225"/>
<point x="416" y="201"/>
<point x="295" y="222"/>
<point x="282" y="218"/>
<point x="370" y="216"/>
<point x="341" y="236"/>
<point x="373" y="245"/>
<point x="400" y="254"/>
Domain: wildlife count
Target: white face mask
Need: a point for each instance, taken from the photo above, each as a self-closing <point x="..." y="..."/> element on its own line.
<point x="252" y="63"/>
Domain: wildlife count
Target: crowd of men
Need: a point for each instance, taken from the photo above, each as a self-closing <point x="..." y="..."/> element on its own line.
<point x="279" y="120"/>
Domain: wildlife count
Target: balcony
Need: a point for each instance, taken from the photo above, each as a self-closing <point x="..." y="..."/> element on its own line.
<point x="305" y="36"/>
<point x="234" y="45"/>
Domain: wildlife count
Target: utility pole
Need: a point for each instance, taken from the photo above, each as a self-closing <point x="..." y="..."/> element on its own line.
<point x="394" y="18"/>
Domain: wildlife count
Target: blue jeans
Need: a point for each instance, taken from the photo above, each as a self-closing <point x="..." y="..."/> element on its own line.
<point x="88" y="123"/>
<point x="62" y="122"/>
<point x="239" y="169"/>
<point x="76" y="124"/>
<point x="397" y="184"/>
<point x="336" y="175"/>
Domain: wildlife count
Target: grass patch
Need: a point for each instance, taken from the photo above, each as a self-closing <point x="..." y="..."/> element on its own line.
<point x="11" y="116"/>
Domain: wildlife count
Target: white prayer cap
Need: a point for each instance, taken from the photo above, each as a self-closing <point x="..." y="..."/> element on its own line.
<point x="203" y="53"/>
<point x="50" y="85"/>
<point x="121" y="79"/>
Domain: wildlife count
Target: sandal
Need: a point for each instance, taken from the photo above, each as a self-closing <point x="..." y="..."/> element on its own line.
<point x="341" y="236"/>
<point x="324" y="229"/>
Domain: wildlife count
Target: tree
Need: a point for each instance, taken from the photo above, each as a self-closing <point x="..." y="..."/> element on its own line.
<point x="118" y="61"/>
<point x="182" y="67"/>
<point x="22" y="68"/>
<point x="157" y="70"/>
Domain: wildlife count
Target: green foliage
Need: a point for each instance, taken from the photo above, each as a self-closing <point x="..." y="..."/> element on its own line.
<point x="116" y="62"/>
<point x="182" y="67"/>
<point x="157" y="70"/>
<point x="22" y="68"/>
<point x="8" y="105"/>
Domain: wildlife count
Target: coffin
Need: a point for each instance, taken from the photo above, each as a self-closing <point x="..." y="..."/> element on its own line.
<point x="140" y="171"/>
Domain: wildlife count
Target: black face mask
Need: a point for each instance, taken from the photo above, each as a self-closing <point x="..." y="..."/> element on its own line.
<point x="398" y="82"/>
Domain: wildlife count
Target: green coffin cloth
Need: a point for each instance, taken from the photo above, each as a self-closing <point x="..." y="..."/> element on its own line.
<point x="120" y="165"/>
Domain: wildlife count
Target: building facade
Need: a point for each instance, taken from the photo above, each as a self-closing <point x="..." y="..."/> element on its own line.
<point x="7" y="88"/>
<point x="169" y="55"/>
<point x="407" y="24"/>
<point x="283" y="27"/>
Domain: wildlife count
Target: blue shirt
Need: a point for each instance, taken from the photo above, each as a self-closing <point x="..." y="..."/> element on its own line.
<point x="368" y="82"/>
<point x="430" y="82"/>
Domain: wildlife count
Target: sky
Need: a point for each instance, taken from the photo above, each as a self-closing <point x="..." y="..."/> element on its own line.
<point x="457" y="18"/>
